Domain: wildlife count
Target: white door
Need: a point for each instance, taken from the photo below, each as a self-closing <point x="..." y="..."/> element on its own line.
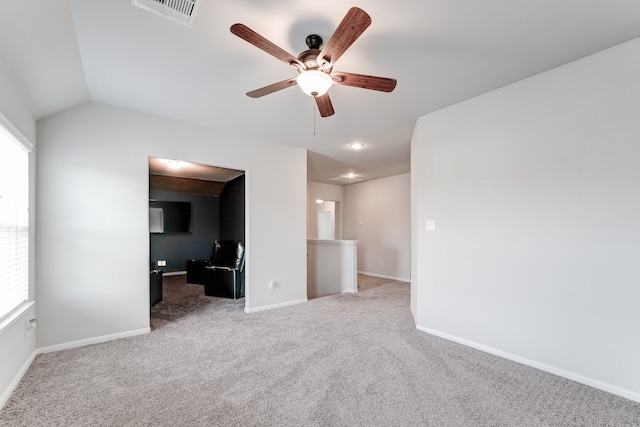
<point x="324" y="225"/>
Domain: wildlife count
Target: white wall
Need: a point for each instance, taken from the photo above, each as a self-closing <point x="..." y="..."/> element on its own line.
<point x="320" y="190"/>
<point x="331" y="267"/>
<point x="17" y="348"/>
<point x="93" y="243"/>
<point x="535" y="192"/>
<point x="383" y="208"/>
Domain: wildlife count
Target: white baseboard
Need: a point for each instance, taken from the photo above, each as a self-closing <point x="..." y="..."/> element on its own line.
<point x="382" y="276"/>
<point x="611" y="388"/>
<point x="93" y="340"/>
<point x="16" y="380"/>
<point x="271" y="307"/>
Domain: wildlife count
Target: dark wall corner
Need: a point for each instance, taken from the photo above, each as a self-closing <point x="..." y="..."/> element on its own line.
<point x="232" y="210"/>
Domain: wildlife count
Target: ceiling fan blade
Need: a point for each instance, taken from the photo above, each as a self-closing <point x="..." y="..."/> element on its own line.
<point x="272" y="88"/>
<point x="353" y="24"/>
<point x="324" y="105"/>
<point x="383" y="84"/>
<point x="260" y="42"/>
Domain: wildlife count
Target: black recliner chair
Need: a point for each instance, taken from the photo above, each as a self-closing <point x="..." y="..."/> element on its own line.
<point x="226" y="282"/>
<point x="223" y="255"/>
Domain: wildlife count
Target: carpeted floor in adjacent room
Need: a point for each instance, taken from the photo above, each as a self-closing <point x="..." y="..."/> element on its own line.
<point x="343" y="360"/>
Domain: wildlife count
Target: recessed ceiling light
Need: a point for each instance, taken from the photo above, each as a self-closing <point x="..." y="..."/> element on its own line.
<point x="318" y="201"/>
<point x="174" y="164"/>
<point x="356" y="146"/>
<point x="349" y="175"/>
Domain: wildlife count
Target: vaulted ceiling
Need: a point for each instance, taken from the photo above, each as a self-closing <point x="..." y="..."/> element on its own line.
<point x="69" y="52"/>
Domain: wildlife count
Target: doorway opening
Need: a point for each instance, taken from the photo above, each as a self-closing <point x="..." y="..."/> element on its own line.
<point x="191" y="206"/>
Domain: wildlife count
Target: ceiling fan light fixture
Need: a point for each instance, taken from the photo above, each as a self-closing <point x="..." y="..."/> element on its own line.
<point x="314" y="82"/>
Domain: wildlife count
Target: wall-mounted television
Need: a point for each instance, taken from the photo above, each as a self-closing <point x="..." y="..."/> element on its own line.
<point x="169" y="217"/>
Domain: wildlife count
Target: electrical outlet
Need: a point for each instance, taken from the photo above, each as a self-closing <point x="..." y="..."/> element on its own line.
<point x="271" y="285"/>
<point x="381" y="264"/>
<point x="30" y="325"/>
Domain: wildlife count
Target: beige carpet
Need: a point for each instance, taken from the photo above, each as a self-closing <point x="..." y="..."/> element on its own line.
<point x="344" y="360"/>
<point x="367" y="282"/>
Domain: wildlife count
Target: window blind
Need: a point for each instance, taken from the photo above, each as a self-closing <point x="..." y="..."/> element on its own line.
<point x="14" y="218"/>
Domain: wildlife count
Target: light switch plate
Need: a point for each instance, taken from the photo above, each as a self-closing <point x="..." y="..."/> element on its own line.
<point x="431" y="225"/>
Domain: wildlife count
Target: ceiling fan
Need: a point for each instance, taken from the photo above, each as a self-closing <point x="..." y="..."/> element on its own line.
<point x="315" y="66"/>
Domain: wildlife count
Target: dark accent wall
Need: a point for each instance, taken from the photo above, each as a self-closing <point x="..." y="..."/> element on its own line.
<point x="232" y="210"/>
<point x="177" y="248"/>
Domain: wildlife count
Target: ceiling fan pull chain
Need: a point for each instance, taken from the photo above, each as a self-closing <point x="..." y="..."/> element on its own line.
<point x="314" y="117"/>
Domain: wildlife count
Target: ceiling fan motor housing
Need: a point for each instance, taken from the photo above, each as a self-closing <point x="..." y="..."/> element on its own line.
<point x="310" y="57"/>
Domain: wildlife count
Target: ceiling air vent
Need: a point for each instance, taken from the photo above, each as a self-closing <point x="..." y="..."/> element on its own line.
<point x="181" y="11"/>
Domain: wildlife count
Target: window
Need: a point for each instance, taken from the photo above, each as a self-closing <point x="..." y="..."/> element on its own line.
<point x="14" y="217"/>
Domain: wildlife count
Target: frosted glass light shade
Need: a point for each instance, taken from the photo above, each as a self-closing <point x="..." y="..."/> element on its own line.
<point x="314" y="83"/>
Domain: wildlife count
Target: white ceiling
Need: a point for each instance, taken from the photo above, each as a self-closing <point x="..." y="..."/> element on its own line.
<point x="67" y="52"/>
<point x="182" y="169"/>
